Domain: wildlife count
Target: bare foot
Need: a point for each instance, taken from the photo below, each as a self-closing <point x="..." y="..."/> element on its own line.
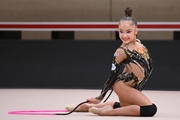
<point x="82" y="108"/>
<point x="104" y="111"/>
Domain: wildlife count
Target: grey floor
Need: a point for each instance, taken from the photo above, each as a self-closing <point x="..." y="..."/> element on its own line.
<point x="56" y="99"/>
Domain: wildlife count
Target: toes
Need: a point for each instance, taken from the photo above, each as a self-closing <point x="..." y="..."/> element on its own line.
<point x="105" y="111"/>
<point x="93" y="110"/>
<point x="70" y="107"/>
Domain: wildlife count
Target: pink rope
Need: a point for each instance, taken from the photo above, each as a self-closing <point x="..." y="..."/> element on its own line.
<point x="37" y="112"/>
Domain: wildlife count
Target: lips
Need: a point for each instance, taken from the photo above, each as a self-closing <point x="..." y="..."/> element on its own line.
<point x="125" y="39"/>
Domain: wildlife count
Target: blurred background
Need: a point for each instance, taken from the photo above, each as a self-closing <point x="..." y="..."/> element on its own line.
<point x="82" y="59"/>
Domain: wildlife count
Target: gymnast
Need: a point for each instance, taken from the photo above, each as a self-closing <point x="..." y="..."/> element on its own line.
<point x="137" y="65"/>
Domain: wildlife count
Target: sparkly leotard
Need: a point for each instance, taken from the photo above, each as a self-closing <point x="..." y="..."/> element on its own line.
<point x="138" y="65"/>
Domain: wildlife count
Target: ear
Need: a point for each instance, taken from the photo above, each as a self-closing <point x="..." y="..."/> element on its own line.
<point x="136" y="31"/>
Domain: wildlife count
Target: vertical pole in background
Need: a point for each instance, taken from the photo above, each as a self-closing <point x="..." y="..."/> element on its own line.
<point x="62" y="35"/>
<point x="176" y="35"/>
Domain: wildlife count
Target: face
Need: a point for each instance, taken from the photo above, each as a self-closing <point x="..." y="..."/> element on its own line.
<point x="127" y="32"/>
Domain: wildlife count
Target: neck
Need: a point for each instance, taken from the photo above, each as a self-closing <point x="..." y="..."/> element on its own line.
<point x="129" y="44"/>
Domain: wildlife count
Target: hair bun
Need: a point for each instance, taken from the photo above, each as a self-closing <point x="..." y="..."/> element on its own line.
<point x="128" y="12"/>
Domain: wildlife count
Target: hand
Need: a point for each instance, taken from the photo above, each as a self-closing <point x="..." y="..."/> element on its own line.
<point x="93" y="101"/>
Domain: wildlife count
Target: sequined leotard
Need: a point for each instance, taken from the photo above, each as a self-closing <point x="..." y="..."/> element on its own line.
<point x="138" y="65"/>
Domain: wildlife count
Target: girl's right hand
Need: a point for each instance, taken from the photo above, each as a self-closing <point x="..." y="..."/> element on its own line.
<point x="93" y="101"/>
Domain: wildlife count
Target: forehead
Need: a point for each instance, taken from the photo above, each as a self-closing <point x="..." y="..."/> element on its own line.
<point x="126" y="25"/>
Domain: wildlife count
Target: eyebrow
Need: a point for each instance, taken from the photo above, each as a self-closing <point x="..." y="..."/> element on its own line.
<point x="127" y="29"/>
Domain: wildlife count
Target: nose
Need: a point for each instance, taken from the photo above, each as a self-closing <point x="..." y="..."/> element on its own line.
<point x="124" y="35"/>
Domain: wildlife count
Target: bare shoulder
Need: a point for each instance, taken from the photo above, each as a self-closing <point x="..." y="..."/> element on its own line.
<point x="139" y="44"/>
<point x="120" y="51"/>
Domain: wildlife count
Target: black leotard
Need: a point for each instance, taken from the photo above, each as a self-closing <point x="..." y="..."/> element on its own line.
<point x="139" y="67"/>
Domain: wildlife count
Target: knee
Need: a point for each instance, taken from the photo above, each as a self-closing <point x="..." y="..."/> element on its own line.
<point x="116" y="105"/>
<point x="148" y="111"/>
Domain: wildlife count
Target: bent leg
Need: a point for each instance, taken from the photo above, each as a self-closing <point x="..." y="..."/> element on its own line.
<point x="131" y="110"/>
<point x="133" y="103"/>
<point x="130" y="95"/>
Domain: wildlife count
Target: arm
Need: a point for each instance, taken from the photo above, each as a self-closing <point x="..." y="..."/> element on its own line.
<point x="119" y="56"/>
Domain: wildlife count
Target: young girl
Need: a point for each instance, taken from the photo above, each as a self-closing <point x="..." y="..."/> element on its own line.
<point x="138" y="65"/>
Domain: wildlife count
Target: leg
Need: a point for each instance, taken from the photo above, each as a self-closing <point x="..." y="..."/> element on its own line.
<point x="85" y="107"/>
<point x="100" y="105"/>
<point x="131" y="110"/>
<point x="131" y="102"/>
<point x="130" y="95"/>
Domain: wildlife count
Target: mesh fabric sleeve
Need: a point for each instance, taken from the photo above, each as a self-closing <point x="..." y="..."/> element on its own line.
<point x="111" y="79"/>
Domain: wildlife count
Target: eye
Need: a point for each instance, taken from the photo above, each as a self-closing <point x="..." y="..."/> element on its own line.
<point x="128" y="31"/>
<point x="120" y="32"/>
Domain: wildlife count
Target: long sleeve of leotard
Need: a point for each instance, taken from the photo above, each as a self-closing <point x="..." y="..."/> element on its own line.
<point x="111" y="79"/>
